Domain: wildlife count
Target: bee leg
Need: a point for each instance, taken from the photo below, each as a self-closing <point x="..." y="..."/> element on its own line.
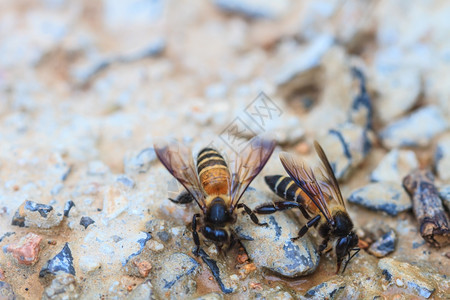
<point x="270" y="208"/>
<point x="233" y="241"/>
<point x="305" y="228"/>
<point x="252" y="215"/>
<point x="195" y="234"/>
<point x="323" y="245"/>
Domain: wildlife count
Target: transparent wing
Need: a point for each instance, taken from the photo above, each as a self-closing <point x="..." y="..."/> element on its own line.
<point x="178" y="160"/>
<point x="247" y="166"/>
<point x="328" y="174"/>
<point x="307" y="181"/>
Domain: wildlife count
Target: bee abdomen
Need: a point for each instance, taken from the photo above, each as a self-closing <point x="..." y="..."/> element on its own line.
<point x="284" y="187"/>
<point x="213" y="172"/>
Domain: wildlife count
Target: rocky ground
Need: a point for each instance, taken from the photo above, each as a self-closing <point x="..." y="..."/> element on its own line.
<point x="87" y="87"/>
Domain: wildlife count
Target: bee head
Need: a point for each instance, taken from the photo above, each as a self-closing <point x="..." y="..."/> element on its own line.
<point x="215" y="234"/>
<point x="344" y="246"/>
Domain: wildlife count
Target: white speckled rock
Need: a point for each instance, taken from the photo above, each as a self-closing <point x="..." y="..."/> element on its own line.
<point x="395" y="166"/>
<point x="279" y="254"/>
<point x="346" y="147"/>
<point x="444" y="193"/>
<point x="442" y="158"/>
<point x="417" y="129"/>
<point x="89" y="263"/>
<point x="399" y="90"/>
<point x="389" y="197"/>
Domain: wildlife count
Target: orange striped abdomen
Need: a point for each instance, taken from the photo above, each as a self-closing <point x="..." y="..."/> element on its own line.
<point x="213" y="172"/>
<point x="287" y="189"/>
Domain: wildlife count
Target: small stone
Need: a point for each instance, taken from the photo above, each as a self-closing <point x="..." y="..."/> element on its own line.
<point x="414" y="130"/>
<point x="89" y="264"/>
<point x="126" y="181"/>
<point x="346" y="147"/>
<point x="135" y="163"/>
<point x="63" y="286"/>
<point x="442" y="158"/>
<point x="174" y="275"/>
<point x="86" y="221"/>
<point x="255" y="9"/>
<point x="303" y="148"/>
<point x="143" y="291"/>
<point x="444" y="193"/>
<point x="26" y="251"/>
<point x="399" y="282"/>
<point x="32" y="214"/>
<point x="280" y="254"/>
<point x="416" y="281"/>
<point x="382" y="196"/>
<point x="143" y="266"/>
<point x="97" y="168"/>
<point x="6" y="291"/>
<point x="398" y="90"/>
<point x="141" y="239"/>
<point x="395" y="166"/>
<point x="63" y="261"/>
<point x="384" y="245"/>
<point x="155" y="246"/>
<point x="327" y="290"/>
<point x="67" y="207"/>
<point x="164" y="236"/>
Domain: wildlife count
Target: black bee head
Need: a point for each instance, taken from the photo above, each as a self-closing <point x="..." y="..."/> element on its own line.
<point x="344" y="246"/>
<point x="215" y="234"/>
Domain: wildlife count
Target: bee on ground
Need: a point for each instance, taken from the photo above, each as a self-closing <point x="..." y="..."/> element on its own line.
<point x="317" y="196"/>
<point x="215" y="186"/>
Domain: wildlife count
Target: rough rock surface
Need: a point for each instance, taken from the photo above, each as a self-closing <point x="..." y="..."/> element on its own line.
<point x="27" y="249"/>
<point x="395" y="165"/>
<point x="280" y="254"/>
<point x="382" y="196"/>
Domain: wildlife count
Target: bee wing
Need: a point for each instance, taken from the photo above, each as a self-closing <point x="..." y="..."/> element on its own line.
<point x="247" y="166"/>
<point x="307" y="181"/>
<point x="330" y="179"/>
<point x="178" y="160"/>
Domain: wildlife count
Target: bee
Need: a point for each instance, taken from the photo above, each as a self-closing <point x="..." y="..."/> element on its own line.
<point x="317" y="196"/>
<point x="216" y="187"/>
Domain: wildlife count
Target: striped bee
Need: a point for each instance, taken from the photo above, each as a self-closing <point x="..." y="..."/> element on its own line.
<point x="215" y="186"/>
<point x="317" y="196"/>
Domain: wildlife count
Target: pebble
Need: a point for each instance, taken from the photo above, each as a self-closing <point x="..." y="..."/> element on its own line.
<point x="63" y="261"/>
<point x="327" y="290"/>
<point x="416" y="282"/>
<point x="64" y="286"/>
<point x="32" y="214"/>
<point x="135" y="163"/>
<point x="402" y="84"/>
<point x="164" y="236"/>
<point x="126" y="181"/>
<point x="86" y="221"/>
<point x="141" y="239"/>
<point x="444" y="193"/>
<point x="174" y="275"/>
<point x="6" y="291"/>
<point x="89" y="263"/>
<point x="384" y="245"/>
<point x="382" y="196"/>
<point x="361" y="111"/>
<point x="144" y="267"/>
<point x="67" y="207"/>
<point x="155" y="246"/>
<point x="279" y="254"/>
<point x="143" y="291"/>
<point x="442" y="158"/>
<point x="255" y="9"/>
<point x="346" y="147"/>
<point x="97" y="168"/>
<point x="414" y="130"/>
<point x="26" y="251"/>
<point x="395" y="166"/>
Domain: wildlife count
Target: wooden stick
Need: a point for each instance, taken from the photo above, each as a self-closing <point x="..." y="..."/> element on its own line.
<point x="434" y="223"/>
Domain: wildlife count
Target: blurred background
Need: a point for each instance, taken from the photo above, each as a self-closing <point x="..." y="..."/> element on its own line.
<point x="86" y="87"/>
